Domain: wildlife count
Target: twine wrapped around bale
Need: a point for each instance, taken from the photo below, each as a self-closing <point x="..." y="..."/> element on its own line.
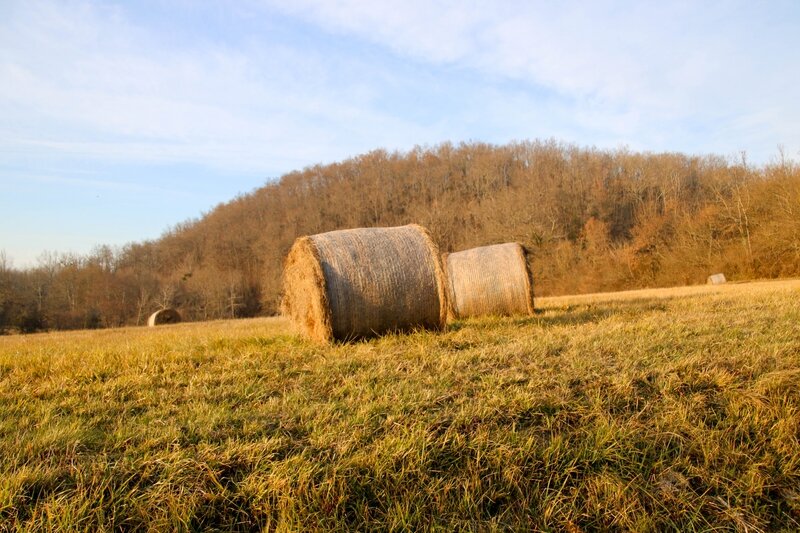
<point x="490" y="280"/>
<point x="358" y="283"/>
<point x="164" y="316"/>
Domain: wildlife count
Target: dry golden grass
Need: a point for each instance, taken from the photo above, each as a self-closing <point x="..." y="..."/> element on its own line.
<point x="648" y="410"/>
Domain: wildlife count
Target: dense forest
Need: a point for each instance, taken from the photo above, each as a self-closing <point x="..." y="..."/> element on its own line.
<point x="594" y="220"/>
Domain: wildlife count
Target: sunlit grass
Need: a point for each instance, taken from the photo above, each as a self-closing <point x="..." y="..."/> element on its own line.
<point x="645" y="411"/>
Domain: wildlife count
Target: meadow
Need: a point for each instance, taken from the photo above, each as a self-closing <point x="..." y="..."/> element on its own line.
<point x="670" y="409"/>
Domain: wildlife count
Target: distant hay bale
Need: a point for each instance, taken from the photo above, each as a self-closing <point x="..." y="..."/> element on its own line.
<point x="490" y="280"/>
<point x="164" y="316"/>
<point x="716" y="279"/>
<point x="358" y="283"/>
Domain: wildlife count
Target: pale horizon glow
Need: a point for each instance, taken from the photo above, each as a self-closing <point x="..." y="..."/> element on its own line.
<point x="119" y="120"/>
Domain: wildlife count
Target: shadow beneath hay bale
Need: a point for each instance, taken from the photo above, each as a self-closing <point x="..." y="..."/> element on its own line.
<point x="579" y="314"/>
<point x="456" y="325"/>
<point x="568" y="316"/>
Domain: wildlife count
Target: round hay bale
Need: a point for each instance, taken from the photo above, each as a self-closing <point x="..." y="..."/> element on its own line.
<point x="716" y="279"/>
<point x="490" y="280"/>
<point x="164" y="316"/>
<point x="358" y="283"/>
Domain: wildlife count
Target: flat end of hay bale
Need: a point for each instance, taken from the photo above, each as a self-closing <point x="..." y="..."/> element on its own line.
<point x="304" y="299"/>
<point x="440" y="274"/>
<point x="164" y="316"/>
<point x="529" y="287"/>
<point x="450" y="310"/>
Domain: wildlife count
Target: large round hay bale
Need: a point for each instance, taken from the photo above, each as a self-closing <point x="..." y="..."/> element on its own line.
<point x="490" y="280"/>
<point x="358" y="283"/>
<point x="164" y="316"/>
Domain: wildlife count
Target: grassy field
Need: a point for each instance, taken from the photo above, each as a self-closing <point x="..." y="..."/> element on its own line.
<point x="648" y="410"/>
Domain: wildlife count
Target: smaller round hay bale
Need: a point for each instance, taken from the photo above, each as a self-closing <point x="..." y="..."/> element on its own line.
<point x="164" y="316"/>
<point x="358" y="283"/>
<point x="716" y="279"/>
<point x="490" y="280"/>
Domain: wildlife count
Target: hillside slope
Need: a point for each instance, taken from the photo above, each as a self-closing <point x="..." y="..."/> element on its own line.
<point x="594" y="220"/>
<point x="646" y="411"/>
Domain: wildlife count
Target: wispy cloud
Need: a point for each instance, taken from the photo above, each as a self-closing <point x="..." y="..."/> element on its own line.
<point x="630" y="70"/>
<point x="86" y="82"/>
<point x="150" y="100"/>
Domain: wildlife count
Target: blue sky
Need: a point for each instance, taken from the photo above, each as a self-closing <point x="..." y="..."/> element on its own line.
<point x="120" y="119"/>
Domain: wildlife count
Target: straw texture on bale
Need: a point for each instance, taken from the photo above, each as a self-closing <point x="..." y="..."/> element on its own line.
<point x="356" y="283"/>
<point x="490" y="280"/>
<point x="716" y="279"/>
<point x="164" y="316"/>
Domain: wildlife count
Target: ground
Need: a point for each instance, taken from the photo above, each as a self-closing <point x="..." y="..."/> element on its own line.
<point x="643" y="410"/>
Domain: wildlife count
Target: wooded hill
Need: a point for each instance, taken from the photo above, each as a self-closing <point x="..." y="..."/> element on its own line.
<point x="594" y="220"/>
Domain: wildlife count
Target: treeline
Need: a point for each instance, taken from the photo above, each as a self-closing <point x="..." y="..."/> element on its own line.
<point x="595" y="220"/>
